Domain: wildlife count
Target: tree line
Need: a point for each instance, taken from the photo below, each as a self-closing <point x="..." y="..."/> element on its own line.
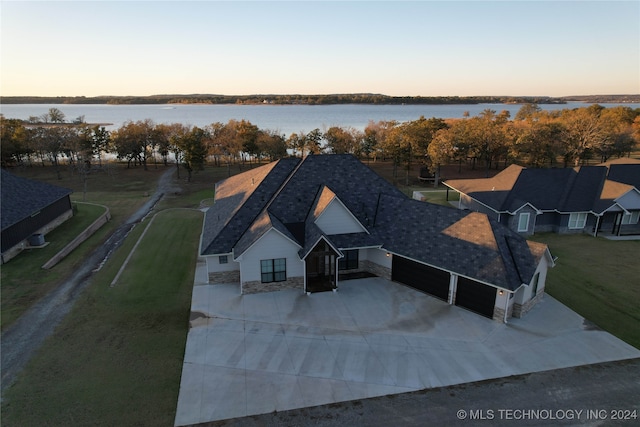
<point x="534" y="138"/>
<point x="325" y="99"/>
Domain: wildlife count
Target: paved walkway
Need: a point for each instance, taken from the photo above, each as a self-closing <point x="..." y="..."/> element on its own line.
<point x="261" y="353"/>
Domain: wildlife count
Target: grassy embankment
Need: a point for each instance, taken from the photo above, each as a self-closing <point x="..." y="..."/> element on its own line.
<point x="116" y="359"/>
<point x="598" y="279"/>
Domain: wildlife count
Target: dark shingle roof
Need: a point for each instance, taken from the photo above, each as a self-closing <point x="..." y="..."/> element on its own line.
<point x="22" y="197"/>
<point x="542" y="188"/>
<point x="468" y="243"/>
<point x="289" y="194"/>
<point x="625" y="173"/>
<point x="564" y="190"/>
<point x="238" y="202"/>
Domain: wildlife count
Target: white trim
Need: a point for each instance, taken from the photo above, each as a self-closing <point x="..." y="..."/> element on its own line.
<point x="335" y="197"/>
<point x="239" y="257"/>
<point x="630" y="216"/>
<point x="538" y="211"/>
<point x="452" y="272"/>
<point x="578" y="221"/>
<point x="322" y="237"/>
<point x="521" y="216"/>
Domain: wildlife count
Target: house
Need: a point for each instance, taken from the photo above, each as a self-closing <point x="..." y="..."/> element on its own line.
<point x="30" y="209"/>
<point x="309" y="224"/>
<point x="589" y="199"/>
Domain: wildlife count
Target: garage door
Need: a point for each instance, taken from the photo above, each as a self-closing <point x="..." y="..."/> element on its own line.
<point x="476" y="296"/>
<point x="421" y="277"/>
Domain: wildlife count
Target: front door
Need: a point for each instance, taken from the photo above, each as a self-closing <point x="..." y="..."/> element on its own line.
<point x="321" y="268"/>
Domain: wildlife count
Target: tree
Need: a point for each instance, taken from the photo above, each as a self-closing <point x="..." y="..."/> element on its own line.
<point x="49" y="142"/>
<point x="340" y="141"/>
<point x="528" y="112"/>
<point x="584" y="132"/>
<point x="312" y="142"/>
<point x="55" y="116"/>
<point x="13" y="137"/>
<point x="247" y="135"/>
<point x="272" y="144"/>
<point x="193" y="150"/>
<point x="537" y="143"/>
<point x="377" y="134"/>
<point x="135" y="141"/>
<point x="296" y="143"/>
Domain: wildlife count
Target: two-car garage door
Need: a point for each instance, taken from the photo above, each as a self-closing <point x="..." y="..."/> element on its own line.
<point x="472" y="295"/>
<point x="421" y="277"/>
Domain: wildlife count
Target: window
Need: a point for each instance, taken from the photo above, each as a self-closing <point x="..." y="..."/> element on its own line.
<point x="222" y="259"/>
<point x="273" y="270"/>
<point x="523" y="221"/>
<point x="577" y="220"/>
<point x="631" y="218"/>
<point x="350" y="260"/>
<point x="534" y="284"/>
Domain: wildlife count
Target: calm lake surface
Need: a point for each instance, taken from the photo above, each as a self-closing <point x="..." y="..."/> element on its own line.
<point x="286" y="119"/>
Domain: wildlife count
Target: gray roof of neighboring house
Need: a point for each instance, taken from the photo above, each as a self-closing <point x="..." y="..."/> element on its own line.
<point x="285" y="195"/>
<point x="22" y="197"/>
<point x="564" y="190"/>
<point x="625" y="173"/>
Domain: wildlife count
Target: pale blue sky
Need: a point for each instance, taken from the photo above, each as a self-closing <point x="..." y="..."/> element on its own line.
<point x="427" y="48"/>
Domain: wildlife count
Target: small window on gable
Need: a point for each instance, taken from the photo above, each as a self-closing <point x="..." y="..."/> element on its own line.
<point x="222" y="259"/>
<point x="577" y="220"/>
<point x="523" y="221"/>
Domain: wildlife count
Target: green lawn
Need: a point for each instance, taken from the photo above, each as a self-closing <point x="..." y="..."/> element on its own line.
<point x="116" y="359"/>
<point x="440" y="197"/>
<point x="599" y="279"/>
<point x="24" y="281"/>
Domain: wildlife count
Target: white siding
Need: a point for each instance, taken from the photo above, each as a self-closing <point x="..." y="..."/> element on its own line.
<point x="336" y="219"/>
<point x="271" y="245"/>
<point x="377" y="256"/>
<point x="631" y="200"/>
<point x="526" y="293"/>
<point x="214" y="266"/>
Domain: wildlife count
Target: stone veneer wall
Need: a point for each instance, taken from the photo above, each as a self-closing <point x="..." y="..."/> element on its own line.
<point x="520" y="310"/>
<point x="255" y="287"/>
<point x="377" y="269"/>
<point x="498" y="312"/>
<point x="219" y="277"/>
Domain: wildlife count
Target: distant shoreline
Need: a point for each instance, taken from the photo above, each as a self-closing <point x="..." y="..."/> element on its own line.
<point x="267" y="99"/>
<point x="356" y="99"/>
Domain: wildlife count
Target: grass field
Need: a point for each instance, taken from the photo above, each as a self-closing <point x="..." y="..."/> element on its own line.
<point x="116" y="359"/>
<point x="24" y="281"/>
<point x="599" y="279"/>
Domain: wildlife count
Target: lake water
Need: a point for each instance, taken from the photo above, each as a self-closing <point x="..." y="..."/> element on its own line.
<point x="286" y="119"/>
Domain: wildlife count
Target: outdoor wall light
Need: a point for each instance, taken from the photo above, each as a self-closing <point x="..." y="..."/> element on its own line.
<point x="388" y="254"/>
<point x="501" y="292"/>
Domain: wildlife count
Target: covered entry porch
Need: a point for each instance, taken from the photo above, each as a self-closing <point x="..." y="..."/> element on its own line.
<point x="321" y="270"/>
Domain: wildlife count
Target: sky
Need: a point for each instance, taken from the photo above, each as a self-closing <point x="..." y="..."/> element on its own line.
<point x="415" y="48"/>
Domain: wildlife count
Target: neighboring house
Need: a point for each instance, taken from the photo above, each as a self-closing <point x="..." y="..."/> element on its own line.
<point x="308" y="224"/>
<point x="30" y="209"/>
<point x="591" y="199"/>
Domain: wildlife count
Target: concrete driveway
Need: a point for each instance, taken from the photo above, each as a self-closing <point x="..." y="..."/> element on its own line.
<point x="260" y="353"/>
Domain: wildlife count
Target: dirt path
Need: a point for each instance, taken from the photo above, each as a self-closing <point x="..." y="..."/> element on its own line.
<point x="22" y="339"/>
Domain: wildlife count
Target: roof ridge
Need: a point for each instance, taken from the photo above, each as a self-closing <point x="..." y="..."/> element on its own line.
<point x="265" y="209"/>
